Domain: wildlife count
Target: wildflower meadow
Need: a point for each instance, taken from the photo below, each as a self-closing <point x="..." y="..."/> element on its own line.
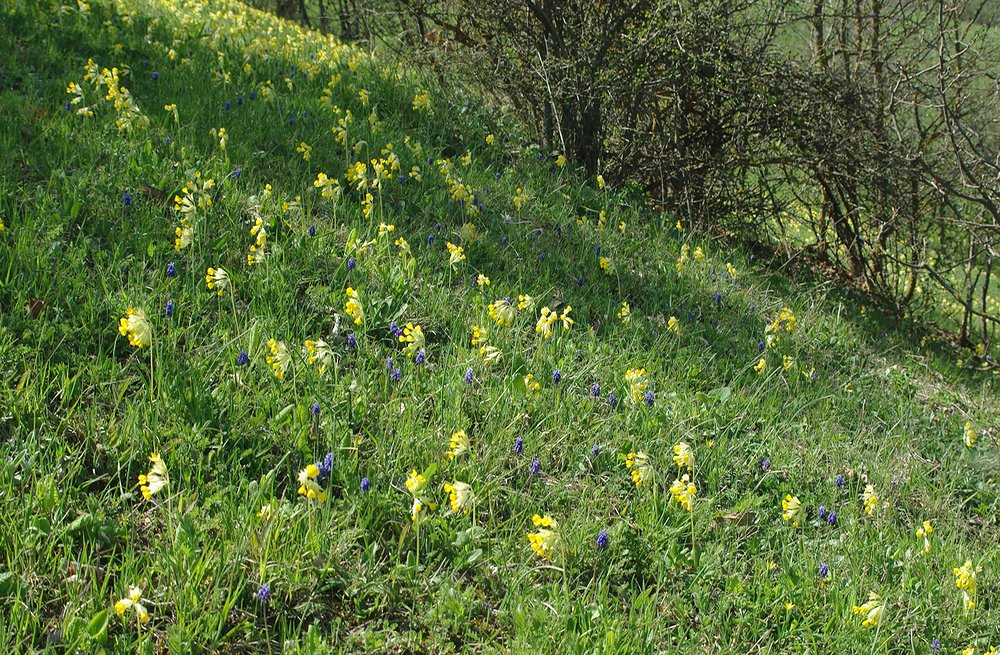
<point x="303" y="353"/>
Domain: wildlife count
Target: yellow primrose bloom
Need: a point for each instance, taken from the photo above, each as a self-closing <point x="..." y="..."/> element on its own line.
<point x="870" y="499"/>
<point x="329" y="188"/>
<point x="606" y="265"/>
<point x="480" y="335"/>
<point x="600" y="182"/>
<point x="218" y="278"/>
<point x="531" y="385"/>
<point x="502" y="311"/>
<point x="353" y="306"/>
<point x="136" y="327"/>
<point x="685" y="255"/>
<point x="482" y="281"/>
<point x="625" y="313"/>
<point x="787" y="362"/>
<point x="132" y="601"/>
<point x="684" y="456"/>
<point x="460" y="496"/>
<point x="969" y="436"/>
<point x="784" y="321"/>
<point x="561" y="161"/>
<point x="2" y="227"/>
<point x="490" y="354"/>
<point x="636" y="378"/>
<point x="792" y="508"/>
<point x="490" y="139"/>
<point x="641" y="470"/>
<point x="458" y="445"/>
<point x="567" y="322"/>
<point x="673" y="325"/>
<point x="545" y="541"/>
<point x="321" y="352"/>
<point x="363" y="96"/>
<point x="153" y="482"/>
<point x="456" y="254"/>
<point x="684" y="492"/>
<point x="185" y="235"/>
<point x="545" y="322"/>
<point x="760" y="366"/>
<point x="698" y="254"/>
<point x="525" y="303"/>
<point x="385" y="228"/>
<point x="413" y="337"/>
<point x="404" y="247"/>
<point x="872" y="610"/>
<point x="266" y="512"/>
<point x="965" y="579"/>
<point x="221" y="135"/>
<point x="969" y="650"/>
<point x="925" y="532"/>
<point x="309" y="486"/>
<point x="730" y="269"/>
<point x="416" y="484"/>
<point x="519" y="199"/>
<point x="422" y="102"/>
<point x="279" y="359"/>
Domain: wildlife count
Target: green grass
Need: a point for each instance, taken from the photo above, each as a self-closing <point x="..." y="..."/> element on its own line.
<point x="81" y="409"/>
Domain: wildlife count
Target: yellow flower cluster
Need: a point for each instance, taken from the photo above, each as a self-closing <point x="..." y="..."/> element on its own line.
<point x="625" y="313"/>
<point x="218" y="279"/>
<point x="279" y="360"/>
<point x="309" y="486"/>
<point x="872" y="610"/>
<point x="502" y="311"/>
<point x="458" y="444"/>
<point x="413" y="337"/>
<point x="925" y="532"/>
<point x="785" y="321"/>
<point x="684" y="456"/>
<point x="870" y="499"/>
<point x="965" y="579"/>
<point x="637" y="380"/>
<point x="132" y="601"/>
<point x="156" y="479"/>
<point x="456" y="254"/>
<point x="460" y="496"/>
<point x="969" y="435"/>
<point x="328" y="187"/>
<point x="545" y="541"/>
<point x="353" y="306"/>
<point x="684" y="492"/>
<point x="258" y="249"/>
<point x="136" y="327"/>
<point x="640" y="468"/>
<point x="319" y="352"/>
<point x="416" y="484"/>
<point x="792" y="508"/>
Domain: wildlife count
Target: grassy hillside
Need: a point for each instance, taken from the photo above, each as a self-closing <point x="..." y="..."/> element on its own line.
<point x="265" y="295"/>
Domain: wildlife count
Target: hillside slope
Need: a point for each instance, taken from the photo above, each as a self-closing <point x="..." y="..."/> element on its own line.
<point x="265" y="295"/>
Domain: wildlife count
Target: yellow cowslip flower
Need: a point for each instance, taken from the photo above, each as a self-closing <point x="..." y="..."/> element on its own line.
<point x="266" y="512"/>
<point x="457" y="254"/>
<point x="792" y="509"/>
<point x="458" y="444"/>
<point x="467" y="233"/>
<point x="466" y="159"/>
<point x="218" y="278"/>
<point x="413" y="337"/>
<point x="309" y="486"/>
<point x="422" y="102"/>
<point x="621" y="226"/>
<point x="965" y="579"/>
<point x="519" y="199"/>
<point x="531" y="386"/>
<point x="685" y="255"/>
<point x="353" y="306"/>
<point x="698" y="254"/>
<point x="502" y="311"/>
<point x="925" y="532"/>
<point x="482" y="281"/>
<point x="730" y="269"/>
<point x="185" y="235"/>
<point x="320" y="352"/>
<point x="969" y="650"/>
<point x="625" y="313"/>
<point x="787" y="362"/>
<point x="684" y="492"/>
<point x="567" y="322"/>
<point x="673" y="325"/>
<point x="561" y="161"/>
<point x="172" y="108"/>
<point x="872" y="610"/>
<point x="545" y="541"/>
<point x="385" y="228"/>
<point x="870" y="499"/>
<point x="490" y="139"/>
<point x="363" y="96"/>
<point x="602" y="219"/>
<point x="460" y="496"/>
<point x="600" y="182"/>
<point x="221" y="135"/>
<point x="969" y="435"/>
<point x="480" y="335"/>
<point x="329" y="188"/>
<point x="760" y="367"/>
<point x="684" y="456"/>
<point x="636" y="378"/>
<point x="259" y="246"/>
<point x="525" y="303"/>
<point x="416" y="484"/>
<point x="404" y="247"/>
<point x="136" y="327"/>
<point x="545" y="322"/>
<point x="279" y="359"/>
<point x="2" y="227"/>
<point x="606" y="265"/>
<point x="132" y="601"/>
<point x="641" y="470"/>
<point x="490" y="354"/>
<point x="305" y="150"/>
<point x="153" y="482"/>
<point x="784" y="321"/>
